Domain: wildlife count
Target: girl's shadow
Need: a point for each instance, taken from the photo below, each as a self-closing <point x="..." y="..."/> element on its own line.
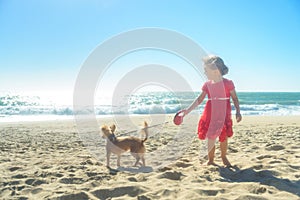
<point x="264" y="177"/>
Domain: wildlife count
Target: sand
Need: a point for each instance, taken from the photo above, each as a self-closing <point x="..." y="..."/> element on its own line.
<point x="48" y="160"/>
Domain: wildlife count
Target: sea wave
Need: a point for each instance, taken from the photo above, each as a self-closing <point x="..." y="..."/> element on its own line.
<point x="268" y="109"/>
<point x="149" y="103"/>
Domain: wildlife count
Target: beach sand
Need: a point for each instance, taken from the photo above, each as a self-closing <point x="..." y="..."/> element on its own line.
<point x="48" y="160"/>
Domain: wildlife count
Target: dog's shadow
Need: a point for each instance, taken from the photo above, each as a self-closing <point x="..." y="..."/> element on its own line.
<point x="264" y="177"/>
<point x="134" y="170"/>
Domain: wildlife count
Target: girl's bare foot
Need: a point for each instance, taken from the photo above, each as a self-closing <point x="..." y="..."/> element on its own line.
<point x="226" y="162"/>
<point x="211" y="163"/>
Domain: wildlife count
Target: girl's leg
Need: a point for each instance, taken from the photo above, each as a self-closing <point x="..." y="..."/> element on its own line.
<point x="223" y="147"/>
<point x="211" y="151"/>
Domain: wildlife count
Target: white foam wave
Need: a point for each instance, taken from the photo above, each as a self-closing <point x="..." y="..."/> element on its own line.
<point x="18" y="106"/>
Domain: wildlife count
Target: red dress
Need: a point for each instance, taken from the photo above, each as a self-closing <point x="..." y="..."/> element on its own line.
<point x="216" y="118"/>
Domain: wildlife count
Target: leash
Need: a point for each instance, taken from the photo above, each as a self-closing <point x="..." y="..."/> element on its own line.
<point x="148" y="127"/>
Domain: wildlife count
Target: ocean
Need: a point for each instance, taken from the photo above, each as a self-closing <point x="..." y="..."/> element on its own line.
<point x="16" y="107"/>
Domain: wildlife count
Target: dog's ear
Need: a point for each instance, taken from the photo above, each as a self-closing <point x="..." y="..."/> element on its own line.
<point x="113" y="128"/>
<point x="104" y="128"/>
<point x="145" y="124"/>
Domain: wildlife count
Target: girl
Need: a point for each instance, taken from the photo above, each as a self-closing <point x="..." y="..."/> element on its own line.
<point x="216" y="118"/>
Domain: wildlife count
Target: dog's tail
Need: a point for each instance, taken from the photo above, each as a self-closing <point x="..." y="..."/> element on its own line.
<point x="145" y="131"/>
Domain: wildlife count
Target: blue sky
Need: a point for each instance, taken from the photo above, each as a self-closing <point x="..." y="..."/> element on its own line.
<point x="43" y="44"/>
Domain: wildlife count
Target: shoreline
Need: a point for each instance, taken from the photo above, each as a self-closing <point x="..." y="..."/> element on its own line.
<point x="248" y="118"/>
<point x="48" y="160"/>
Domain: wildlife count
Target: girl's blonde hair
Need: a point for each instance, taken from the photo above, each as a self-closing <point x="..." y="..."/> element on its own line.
<point x="215" y="62"/>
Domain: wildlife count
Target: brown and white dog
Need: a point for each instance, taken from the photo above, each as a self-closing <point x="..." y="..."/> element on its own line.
<point x="119" y="145"/>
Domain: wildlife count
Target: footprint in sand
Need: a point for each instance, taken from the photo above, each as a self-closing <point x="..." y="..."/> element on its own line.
<point x="275" y="147"/>
<point x="232" y="150"/>
<point x="46" y="167"/>
<point x="183" y="164"/>
<point x="257" y="189"/>
<point x="12" y="169"/>
<point x="131" y="191"/>
<point x="36" y="190"/>
<point x="275" y="162"/>
<point x="172" y="175"/>
<point x="143" y="197"/>
<point x="11" y="183"/>
<point x="19" y="176"/>
<point x="76" y="196"/>
<point x="209" y="192"/>
<point x="258" y="166"/>
<point x="98" y="176"/>
<point x="72" y="180"/>
<point x="163" y="169"/>
<point x="296" y="167"/>
<point x="138" y="178"/>
<point x="264" y="156"/>
<point x="35" y="182"/>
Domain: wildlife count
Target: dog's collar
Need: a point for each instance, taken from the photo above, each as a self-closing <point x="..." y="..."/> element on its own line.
<point x="112" y="137"/>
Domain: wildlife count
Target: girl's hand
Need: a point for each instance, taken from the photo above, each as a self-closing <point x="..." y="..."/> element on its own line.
<point x="184" y="111"/>
<point x="238" y="117"/>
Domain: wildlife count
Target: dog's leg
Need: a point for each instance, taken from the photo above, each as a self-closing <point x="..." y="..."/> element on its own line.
<point x="137" y="161"/>
<point x="137" y="157"/>
<point x="108" y="153"/>
<point x="118" y="160"/>
<point x="143" y="160"/>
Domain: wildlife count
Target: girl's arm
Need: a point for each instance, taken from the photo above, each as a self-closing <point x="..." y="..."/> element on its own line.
<point x="236" y="105"/>
<point x="195" y="103"/>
